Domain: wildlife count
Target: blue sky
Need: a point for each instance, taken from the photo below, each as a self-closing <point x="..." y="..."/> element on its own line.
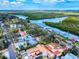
<point x="39" y="4"/>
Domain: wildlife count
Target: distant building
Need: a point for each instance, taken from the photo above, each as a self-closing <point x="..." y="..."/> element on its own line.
<point x="15" y="25"/>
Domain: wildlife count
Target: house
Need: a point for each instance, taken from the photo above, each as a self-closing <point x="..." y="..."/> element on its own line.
<point x="19" y="44"/>
<point x="55" y="48"/>
<point x="13" y="26"/>
<point x="49" y="50"/>
<point x="33" y="51"/>
<point x="23" y="33"/>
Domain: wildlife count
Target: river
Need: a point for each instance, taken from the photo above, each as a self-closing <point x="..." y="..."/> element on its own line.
<point x="40" y="23"/>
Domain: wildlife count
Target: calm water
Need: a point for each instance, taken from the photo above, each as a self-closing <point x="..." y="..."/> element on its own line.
<point x="21" y="17"/>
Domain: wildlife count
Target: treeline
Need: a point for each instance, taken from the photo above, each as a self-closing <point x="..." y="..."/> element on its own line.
<point x="41" y="15"/>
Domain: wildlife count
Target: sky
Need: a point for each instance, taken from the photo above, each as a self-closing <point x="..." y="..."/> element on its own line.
<point x="39" y="4"/>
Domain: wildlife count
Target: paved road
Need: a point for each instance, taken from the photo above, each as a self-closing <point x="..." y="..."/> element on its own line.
<point x="11" y="53"/>
<point x="10" y="50"/>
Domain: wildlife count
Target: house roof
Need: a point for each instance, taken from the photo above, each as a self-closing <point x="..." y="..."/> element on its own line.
<point x="33" y="50"/>
<point x="22" y="33"/>
<point x="49" y="49"/>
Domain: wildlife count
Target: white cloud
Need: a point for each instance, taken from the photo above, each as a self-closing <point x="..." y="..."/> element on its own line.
<point x="47" y="1"/>
<point x="17" y="2"/>
<point x="21" y="0"/>
<point x="13" y="3"/>
<point x="8" y="2"/>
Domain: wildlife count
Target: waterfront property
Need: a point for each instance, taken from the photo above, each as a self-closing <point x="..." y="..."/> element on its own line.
<point x="49" y="50"/>
<point x="31" y="47"/>
<point x="40" y="23"/>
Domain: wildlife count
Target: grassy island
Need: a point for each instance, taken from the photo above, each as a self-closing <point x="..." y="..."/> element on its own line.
<point x="70" y="24"/>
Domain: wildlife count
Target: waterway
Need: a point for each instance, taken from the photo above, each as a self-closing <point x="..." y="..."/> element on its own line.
<point x="40" y="23"/>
